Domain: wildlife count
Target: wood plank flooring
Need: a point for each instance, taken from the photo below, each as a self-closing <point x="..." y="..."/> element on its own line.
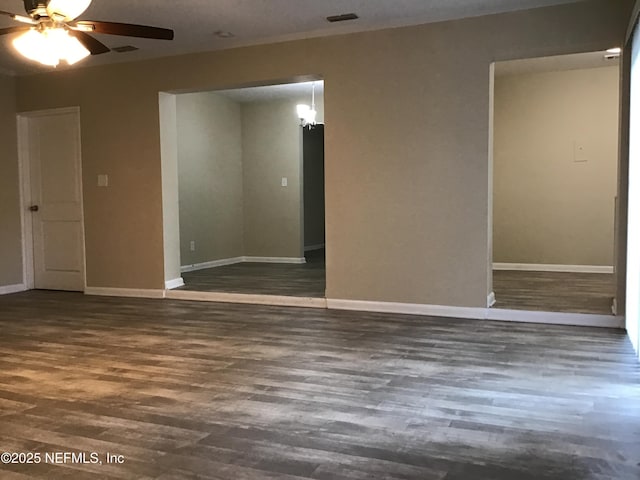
<point x="305" y="280"/>
<point x="197" y="390"/>
<point x="554" y="291"/>
<point x="516" y="290"/>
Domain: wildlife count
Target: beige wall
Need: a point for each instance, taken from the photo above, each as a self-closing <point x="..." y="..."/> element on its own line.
<point x="271" y="150"/>
<point x="10" y="242"/>
<point x="210" y="177"/>
<point x="550" y="207"/>
<point x="231" y="160"/>
<point x="406" y="145"/>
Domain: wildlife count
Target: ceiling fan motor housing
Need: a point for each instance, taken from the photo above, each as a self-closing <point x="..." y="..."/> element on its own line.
<point x="35" y="6"/>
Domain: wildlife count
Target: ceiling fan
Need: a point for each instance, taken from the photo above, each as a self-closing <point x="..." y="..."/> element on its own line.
<point x="52" y="33"/>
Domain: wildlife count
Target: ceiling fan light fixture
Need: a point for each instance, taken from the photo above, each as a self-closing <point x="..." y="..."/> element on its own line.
<point x="33" y="45"/>
<point x="50" y="46"/>
<point x="302" y="110"/>
<point x="83" y="27"/>
<point x="70" y="9"/>
<point x="23" y="19"/>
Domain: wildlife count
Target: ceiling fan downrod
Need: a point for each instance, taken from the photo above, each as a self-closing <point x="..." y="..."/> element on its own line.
<point x="36" y="8"/>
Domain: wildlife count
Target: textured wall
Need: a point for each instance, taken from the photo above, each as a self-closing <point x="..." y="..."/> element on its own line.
<point x="210" y="177"/>
<point x="10" y="230"/>
<point x="271" y="150"/>
<point x="406" y="145"/>
<point x="549" y="206"/>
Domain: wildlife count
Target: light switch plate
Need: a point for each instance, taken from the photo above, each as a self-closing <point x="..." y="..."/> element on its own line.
<point x="285" y="181"/>
<point x="103" y="180"/>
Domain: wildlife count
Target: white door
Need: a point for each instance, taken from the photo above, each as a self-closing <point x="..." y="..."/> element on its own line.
<point x="55" y="202"/>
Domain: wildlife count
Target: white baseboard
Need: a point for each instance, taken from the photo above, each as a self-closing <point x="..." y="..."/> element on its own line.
<point x="297" y="260"/>
<point x="175" y="283"/>
<point x="125" y="292"/>
<point x="552" y="318"/>
<point x="213" y="263"/>
<point x="231" y="261"/>
<point x="491" y="299"/>
<point x="497" y="314"/>
<point x="8" y="289"/>
<point x="406" y="308"/>
<point x="541" y="267"/>
<point x="311" y="248"/>
<point x="280" y="300"/>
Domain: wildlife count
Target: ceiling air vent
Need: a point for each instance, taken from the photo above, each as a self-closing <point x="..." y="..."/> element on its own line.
<point x="342" y="18"/>
<point x="124" y="49"/>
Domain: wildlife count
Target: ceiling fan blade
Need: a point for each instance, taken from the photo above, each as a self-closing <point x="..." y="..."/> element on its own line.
<point x="18" y="18"/>
<point x="7" y="31"/>
<point x="126" y="29"/>
<point x="94" y="46"/>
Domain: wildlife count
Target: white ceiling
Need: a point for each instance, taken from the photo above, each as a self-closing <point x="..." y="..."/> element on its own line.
<point x="251" y="22"/>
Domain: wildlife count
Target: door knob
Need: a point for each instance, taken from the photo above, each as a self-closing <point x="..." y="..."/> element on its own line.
<point x="34" y="208"/>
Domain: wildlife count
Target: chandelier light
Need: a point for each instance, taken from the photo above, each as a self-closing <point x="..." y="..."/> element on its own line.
<point x="306" y="114"/>
<point x="50" y="46"/>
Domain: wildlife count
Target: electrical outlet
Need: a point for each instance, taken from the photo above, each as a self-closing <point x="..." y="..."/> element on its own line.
<point x="192" y="245"/>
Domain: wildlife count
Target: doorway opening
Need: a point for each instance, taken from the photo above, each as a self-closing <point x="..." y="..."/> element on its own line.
<point x="51" y="199"/>
<point x="555" y="161"/>
<point x="249" y="183"/>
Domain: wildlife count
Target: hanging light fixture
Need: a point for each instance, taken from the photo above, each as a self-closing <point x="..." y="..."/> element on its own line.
<point x="49" y="46"/>
<point x="49" y="41"/>
<point x="306" y="114"/>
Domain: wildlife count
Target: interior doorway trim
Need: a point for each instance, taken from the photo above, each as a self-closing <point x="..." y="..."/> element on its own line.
<point x="24" y="168"/>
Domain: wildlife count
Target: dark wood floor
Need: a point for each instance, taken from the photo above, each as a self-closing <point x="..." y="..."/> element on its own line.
<point x="304" y="280"/>
<point x="517" y="290"/>
<point x="197" y="390"/>
<point x="554" y="291"/>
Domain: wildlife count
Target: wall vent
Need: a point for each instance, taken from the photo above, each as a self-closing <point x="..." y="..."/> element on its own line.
<point x="342" y="18"/>
<point x="125" y="49"/>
